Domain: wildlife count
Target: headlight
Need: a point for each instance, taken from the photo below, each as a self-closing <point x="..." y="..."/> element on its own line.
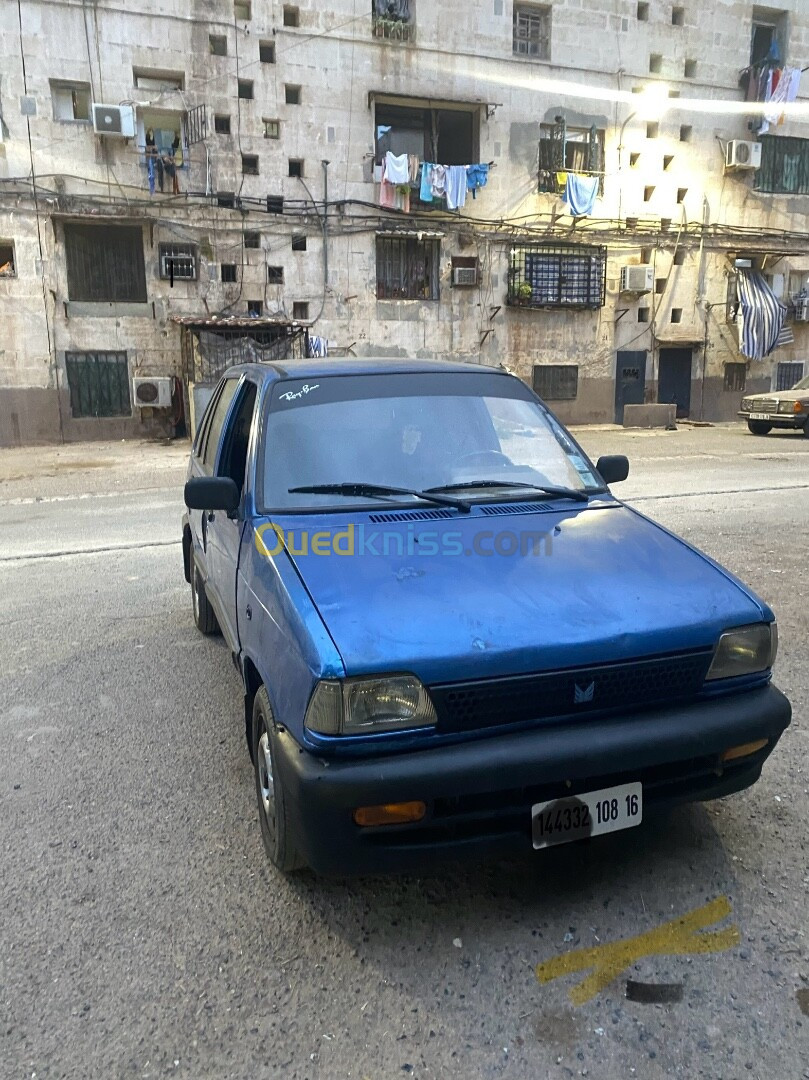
<point x="786" y="406"/>
<point x="365" y="706"/>
<point x="747" y="404"/>
<point x="744" y="651"/>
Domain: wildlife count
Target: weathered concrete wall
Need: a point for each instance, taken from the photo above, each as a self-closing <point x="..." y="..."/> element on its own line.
<point x="341" y="68"/>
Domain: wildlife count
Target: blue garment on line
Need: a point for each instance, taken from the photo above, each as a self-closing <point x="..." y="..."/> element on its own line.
<point x="477" y="176"/>
<point x="580" y="194"/>
<point x="426" y="190"/>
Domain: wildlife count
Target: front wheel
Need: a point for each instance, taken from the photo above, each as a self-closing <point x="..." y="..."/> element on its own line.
<point x="204" y="618"/>
<point x="272" y="807"/>
<point x="759" y="427"/>
<point x="806" y="429"/>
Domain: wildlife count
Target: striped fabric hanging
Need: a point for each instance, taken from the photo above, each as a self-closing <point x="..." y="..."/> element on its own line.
<point x="763" y="317"/>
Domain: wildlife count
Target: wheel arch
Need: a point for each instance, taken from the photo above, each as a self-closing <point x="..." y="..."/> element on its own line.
<point x="187" y="544"/>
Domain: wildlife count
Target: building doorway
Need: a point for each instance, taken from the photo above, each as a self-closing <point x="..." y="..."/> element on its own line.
<point x="674" y="380"/>
<point x="630" y="380"/>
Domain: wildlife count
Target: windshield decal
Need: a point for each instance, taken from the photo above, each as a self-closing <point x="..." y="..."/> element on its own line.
<point x="291" y="395"/>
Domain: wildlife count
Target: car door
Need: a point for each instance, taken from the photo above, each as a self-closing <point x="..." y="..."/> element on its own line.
<point x="203" y="462"/>
<point x="225" y="530"/>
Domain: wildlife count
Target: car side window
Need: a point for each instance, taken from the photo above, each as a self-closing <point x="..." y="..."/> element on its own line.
<point x="217" y="423"/>
<point x="205" y="421"/>
<point x="236" y="441"/>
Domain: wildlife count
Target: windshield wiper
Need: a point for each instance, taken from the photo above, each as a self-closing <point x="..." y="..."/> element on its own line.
<point x="559" y="492"/>
<point x="378" y="491"/>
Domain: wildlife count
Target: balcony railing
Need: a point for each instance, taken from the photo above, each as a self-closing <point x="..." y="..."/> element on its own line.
<point x="391" y="29"/>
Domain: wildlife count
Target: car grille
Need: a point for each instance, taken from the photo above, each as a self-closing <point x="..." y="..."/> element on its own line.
<point x="569" y="693"/>
<point x="765" y="405"/>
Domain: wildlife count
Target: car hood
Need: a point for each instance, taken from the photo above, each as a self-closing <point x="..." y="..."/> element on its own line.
<point x="606" y="585"/>
<point x="782" y="395"/>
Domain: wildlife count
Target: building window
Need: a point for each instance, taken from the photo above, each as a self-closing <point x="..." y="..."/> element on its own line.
<point x="784" y="165"/>
<point x="300" y="310"/>
<point x="563" y="148"/>
<point x="218" y="44"/>
<point x="407" y="268"/>
<point x="634" y="158"/>
<point x="768" y="34"/>
<point x="226" y="200"/>
<point x="252" y="240"/>
<point x="275" y="204"/>
<point x="154" y="79"/>
<point x="556" y="382"/>
<point x="295" y="167"/>
<point x="292" y="94"/>
<point x="8" y="266"/>
<point x="228" y="273"/>
<point x="532" y="31"/>
<point x="735" y="377"/>
<point x="643" y="12"/>
<point x="676" y="314"/>
<point x="648" y="192"/>
<point x="250" y="164"/>
<point x="266" y="52"/>
<point x="690" y="69"/>
<point x="221" y="124"/>
<point x="105" y="263"/>
<point x="255" y="307"/>
<point x="71" y="101"/>
<point x="643" y="314"/>
<point x="98" y="384"/>
<point x="446" y="135"/>
<point x="787" y="375"/>
<point x="275" y="275"/>
<point x="292" y="17"/>
<point x="246" y="89"/>
<point x="685" y="132"/>
<point x="660" y="286"/>
<point x="391" y="20"/>
<point x="679" y="257"/>
<point x="299" y="242"/>
<point x="242" y="10"/>
<point x="652" y="129"/>
<point x="681" y="194"/>
<point x="655" y="63"/>
<point x="272" y="129"/>
<point x="677" y="16"/>
<point x="557" y="276"/>
<point x="178" y="261"/>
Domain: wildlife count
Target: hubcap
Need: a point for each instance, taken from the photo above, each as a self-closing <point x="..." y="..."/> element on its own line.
<point x="265" y="780"/>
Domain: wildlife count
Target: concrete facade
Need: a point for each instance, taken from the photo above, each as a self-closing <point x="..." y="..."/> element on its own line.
<point x="667" y="199"/>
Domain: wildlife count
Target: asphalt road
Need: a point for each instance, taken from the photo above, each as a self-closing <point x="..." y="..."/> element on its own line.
<point x="143" y="934"/>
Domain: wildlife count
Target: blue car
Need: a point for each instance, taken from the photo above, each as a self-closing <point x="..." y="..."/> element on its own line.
<point x="453" y="638"/>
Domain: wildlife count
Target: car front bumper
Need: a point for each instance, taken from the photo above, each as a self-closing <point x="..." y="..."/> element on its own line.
<point x="479" y="793"/>
<point x="792" y="421"/>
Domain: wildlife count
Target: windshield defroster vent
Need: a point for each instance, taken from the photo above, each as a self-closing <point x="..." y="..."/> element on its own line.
<point x="412" y="515"/>
<point x="515" y="508"/>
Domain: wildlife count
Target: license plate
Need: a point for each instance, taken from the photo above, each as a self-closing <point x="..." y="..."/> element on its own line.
<point x="576" y="816"/>
<point x="759" y="416"/>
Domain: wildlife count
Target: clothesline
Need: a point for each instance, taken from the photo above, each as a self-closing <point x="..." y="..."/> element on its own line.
<point x="433" y="181"/>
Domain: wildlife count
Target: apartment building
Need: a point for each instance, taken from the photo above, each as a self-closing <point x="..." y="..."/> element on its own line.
<point x="188" y="183"/>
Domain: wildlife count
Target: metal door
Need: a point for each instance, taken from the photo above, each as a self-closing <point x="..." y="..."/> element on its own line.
<point x="674" y="379"/>
<point x="630" y="380"/>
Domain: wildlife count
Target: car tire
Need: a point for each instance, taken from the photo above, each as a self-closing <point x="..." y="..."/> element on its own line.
<point x="806" y="429"/>
<point x="204" y="618"/>
<point x="759" y="427"/>
<point x="273" y="811"/>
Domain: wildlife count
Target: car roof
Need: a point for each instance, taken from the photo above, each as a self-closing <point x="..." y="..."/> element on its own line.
<point x="351" y="365"/>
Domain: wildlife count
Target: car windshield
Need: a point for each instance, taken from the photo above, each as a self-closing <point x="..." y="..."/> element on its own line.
<point x="414" y="431"/>
<point x="802" y="385"/>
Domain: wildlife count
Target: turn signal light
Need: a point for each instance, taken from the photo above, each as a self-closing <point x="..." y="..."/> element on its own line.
<point x="744" y="750"/>
<point x="398" y="813"/>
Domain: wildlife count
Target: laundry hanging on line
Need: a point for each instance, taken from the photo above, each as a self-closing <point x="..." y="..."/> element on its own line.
<point x="783" y="88"/>
<point x="763" y="317"/>
<point x="580" y="194"/>
<point x="430" y="181"/>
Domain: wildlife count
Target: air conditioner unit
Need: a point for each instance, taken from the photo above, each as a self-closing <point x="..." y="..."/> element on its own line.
<point x="740" y="154"/>
<point x="152" y="393"/>
<point x="117" y="120"/>
<point x="637" y="279"/>
<point x="465" y="275"/>
<point x="801" y="309"/>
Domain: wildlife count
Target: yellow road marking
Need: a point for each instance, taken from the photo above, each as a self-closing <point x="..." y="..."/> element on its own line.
<point x="676" y="938"/>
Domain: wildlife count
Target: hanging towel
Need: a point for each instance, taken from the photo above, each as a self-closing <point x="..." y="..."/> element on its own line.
<point x="397" y="168"/>
<point x="456" y="186"/>
<point x="426" y="191"/>
<point x="580" y="194"/>
<point x="413" y="168"/>
<point x="784" y="90"/>
<point x="763" y="316"/>
<point x="477" y="176"/>
<point x="439" y="181"/>
<point x="387" y="191"/>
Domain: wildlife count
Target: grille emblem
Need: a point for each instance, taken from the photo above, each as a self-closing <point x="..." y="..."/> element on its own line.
<point x="581" y="694"/>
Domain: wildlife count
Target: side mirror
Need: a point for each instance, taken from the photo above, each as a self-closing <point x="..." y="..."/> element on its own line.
<point x="211" y="493"/>
<point x="613" y="467"/>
